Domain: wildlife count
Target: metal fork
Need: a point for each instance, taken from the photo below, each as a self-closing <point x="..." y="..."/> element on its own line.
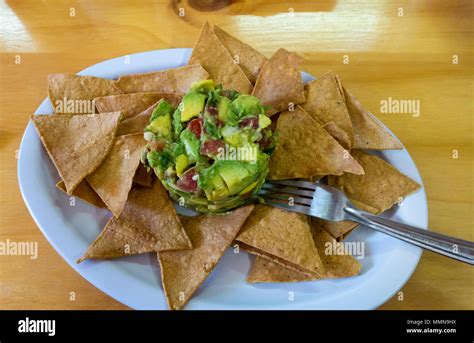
<point x="329" y="203"/>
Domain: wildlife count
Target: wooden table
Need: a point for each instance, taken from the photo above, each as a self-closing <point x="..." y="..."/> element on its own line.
<point x="405" y="55"/>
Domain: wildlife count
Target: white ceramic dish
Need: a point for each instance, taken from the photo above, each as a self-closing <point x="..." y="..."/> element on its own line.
<point x="135" y="281"/>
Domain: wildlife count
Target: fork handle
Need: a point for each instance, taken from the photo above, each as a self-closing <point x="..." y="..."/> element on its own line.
<point x="455" y="248"/>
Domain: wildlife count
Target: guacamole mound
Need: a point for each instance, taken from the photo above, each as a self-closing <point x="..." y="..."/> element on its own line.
<point x="211" y="152"/>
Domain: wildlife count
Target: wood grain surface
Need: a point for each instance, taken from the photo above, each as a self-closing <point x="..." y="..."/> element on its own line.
<point x="398" y="49"/>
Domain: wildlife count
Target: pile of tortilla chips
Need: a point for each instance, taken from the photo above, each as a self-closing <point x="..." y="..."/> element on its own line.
<point x="95" y="140"/>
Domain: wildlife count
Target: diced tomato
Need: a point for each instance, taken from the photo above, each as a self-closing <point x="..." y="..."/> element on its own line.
<point x="211" y="147"/>
<point x="265" y="142"/>
<point x="195" y="126"/>
<point x="188" y="181"/>
<point x="249" y="122"/>
<point x="212" y="110"/>
<point x="156" y="145"/>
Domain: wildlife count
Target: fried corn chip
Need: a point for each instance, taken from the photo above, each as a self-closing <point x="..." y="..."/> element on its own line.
<point x="369" y="133"/>
<point x="283" y="236"/>
<point x="148" y="223"/>
<point x="183" y="272"/>
<point x="249" y="59"/>
<point x="335" y="266"/>
<point x="305" y="149"/>
<point x="279" y="85"/>
<point x="132" y="104"/>
<point x="379" y="188"/>
<point x="325" y="103"/>
<point x="77" y="144"/>
<point x="175" y="80"/>
<point x="213" y="56"/>
<point x="71" y="93"/>
<point x="143" y="177"/>
<point x="336" y="229"/>
<point x="85" y="192"/>
<point x="112" y="180"/>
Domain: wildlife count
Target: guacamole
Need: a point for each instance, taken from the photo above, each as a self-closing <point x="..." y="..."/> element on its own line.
<point x="211" y="152"/>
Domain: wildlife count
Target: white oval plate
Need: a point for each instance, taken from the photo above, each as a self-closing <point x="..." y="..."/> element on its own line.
<point x="135" y="281"/>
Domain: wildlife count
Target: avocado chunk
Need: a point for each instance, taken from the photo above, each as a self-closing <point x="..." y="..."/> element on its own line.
<point x="177" y="124"/>
<point x="161" y="126"/>
<point x="163" y="108"/>
<point x="235" y="174"/>
<point x="192" y="105"/>
<point x="203" y="86"/>
<point x="159" y="161"/>
<point x="191" y="145"/>
<point x="249" y="188"/>
<point x="245" y="105"/>
<point x="181" y="164"/>
<point x="212" y="184"/>
<point x="263" y="121"/>
<point x="223" y="108"/>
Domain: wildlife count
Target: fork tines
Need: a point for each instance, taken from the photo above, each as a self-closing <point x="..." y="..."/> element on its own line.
<point x="290" y="195"/>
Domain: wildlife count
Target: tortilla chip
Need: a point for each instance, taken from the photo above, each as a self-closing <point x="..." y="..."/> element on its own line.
<point x="76" y="87"/>
<point x="132" y="104"/>
<point x="213" y="56"/>
<point x="281" y="234"/>
<point x="336" y="266"/>
<point x="369" y="133"/>
<point x="112" y="180"/>
<point x="380" y="188"/>
<point x="182" y="272"/>
<point x="305" y="149"/>
<point x="77" y="144"/>
<point x="143" y="177"/>
<point x="250" y="60"/>
<point x="84" y="192"/>
<point x="148" y="223"/>
<point x="325" y="103"/>
<point x="344" y="236"/>
<point x="175" y="80"/>
<point x="135" y="124"/>
<point x="336" y="229"/>
<point x="138" y="123"/>
<point x="265" y="270"/>
<point x="316" y="177"/>
<point x="338" y="134"/>
<point x="279" y="83"/>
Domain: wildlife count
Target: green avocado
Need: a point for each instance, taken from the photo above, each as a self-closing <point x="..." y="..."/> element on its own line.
<point x="203" y="86"/>
<point x="161" y="126"/>
<point x="177" y="124"/>
<point x="245" y="105"/>
<point x="223" y="108"/>
<point x="237" y="175"/>
<point x="191" y="145"/>
<point x="163" y="108"/>
<point x="233" y="173"/>
<point x="212" y="184"/>
<point x="192" y="105"/>
<point x="263" y="121"/>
